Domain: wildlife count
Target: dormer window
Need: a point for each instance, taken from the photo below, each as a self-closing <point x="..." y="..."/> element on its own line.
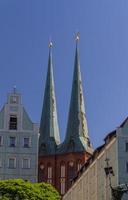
<point x="13" y="122"/>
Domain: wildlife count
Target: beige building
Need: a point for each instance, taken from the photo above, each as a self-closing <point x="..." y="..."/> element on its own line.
<point x="18" y="141"/>
<point x="92" y="183"/>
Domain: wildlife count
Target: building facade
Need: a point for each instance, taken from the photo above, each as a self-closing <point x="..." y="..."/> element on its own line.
<point x="108" y="167"/>
<point x="18" y="141"/>
<point x="59" y="162"/>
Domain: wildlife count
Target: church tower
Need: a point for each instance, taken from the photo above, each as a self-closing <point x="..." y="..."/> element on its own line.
<point x="60" y="162"/>
<point x="49" y="131"/>
<point x="77" y="139"/>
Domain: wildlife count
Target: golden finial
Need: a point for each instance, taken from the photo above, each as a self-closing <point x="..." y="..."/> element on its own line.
<point x="77" y="36"/>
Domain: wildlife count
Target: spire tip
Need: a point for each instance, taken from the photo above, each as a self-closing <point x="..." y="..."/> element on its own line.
<point x="50" y="44"/>
<point x="77" y="36"/>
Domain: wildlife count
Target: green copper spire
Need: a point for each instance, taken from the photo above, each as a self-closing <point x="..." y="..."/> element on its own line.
<point x="77" y="138"/>
<point x="49" y="131"/>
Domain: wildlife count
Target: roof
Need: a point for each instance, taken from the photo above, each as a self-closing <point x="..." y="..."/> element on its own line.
<point x="95" y="154"/>
<point x="77" y="138"/>
<point x="123" y="123"/>
<point x="49" y="130"/>
<point x="110" y="136"/>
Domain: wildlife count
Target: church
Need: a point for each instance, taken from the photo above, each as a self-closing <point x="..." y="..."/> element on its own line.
<point x="59" y="162"/>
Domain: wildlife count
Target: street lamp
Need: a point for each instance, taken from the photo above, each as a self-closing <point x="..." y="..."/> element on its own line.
<point x="118" y="191"/>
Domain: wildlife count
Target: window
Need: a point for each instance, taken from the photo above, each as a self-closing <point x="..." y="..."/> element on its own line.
<point x="62" y="170"/>
<point x="26" y="163"/>
<point x="12" y="142"/>
<point x="49" y="180"/>
<point x="12" y="163"/>
<point x="71" y="172"/>
<point x="0" y="162"/>
<point x="62" y="186"/>
<point x="79" y="165"/>
<point x="13" y="122"/>
<point x="126" y="146"/>
<point x="62" y="179"/>
<point x="127" y="167"/>
<point x="26" y="142"/>
<point x="1" y="140"/>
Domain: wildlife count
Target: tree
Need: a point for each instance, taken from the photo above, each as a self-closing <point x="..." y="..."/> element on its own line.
<point x="18" y="189"/>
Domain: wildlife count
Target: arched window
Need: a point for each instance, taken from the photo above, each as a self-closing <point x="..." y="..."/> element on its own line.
<point x="71" y="172"/>
<point x="62" y="178"/>
<point x="41" y="170"/>
<point x="49" y="173"/>
<point x="79" y="165"/>
<point x="63" y="170"/>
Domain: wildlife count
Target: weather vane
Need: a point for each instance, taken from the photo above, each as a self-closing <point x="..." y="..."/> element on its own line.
<point x="50" y="43"/>
<point x="77" y="36"/>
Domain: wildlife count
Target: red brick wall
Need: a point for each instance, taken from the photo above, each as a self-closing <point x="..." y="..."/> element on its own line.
<point x="55" y="161"/>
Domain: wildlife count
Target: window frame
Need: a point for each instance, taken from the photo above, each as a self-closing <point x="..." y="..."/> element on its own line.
<point x="11" y="145"/>
<point x="62" y="186"/>
<point x="29" y="163"/>
<point x="79" y="165"/>
<point x="0" y="162"/>
<point x="49" y="173"/>
<point x="29" y="142"/>
<point x="126" y="146"/>
<point x="62" y="178"/>
<point x="1" y="140"/>
<point x="13" y="125"/>
<point x="13" y="158"/>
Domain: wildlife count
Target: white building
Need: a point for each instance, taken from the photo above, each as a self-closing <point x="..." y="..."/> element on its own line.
<point x="92" y="183"/>
<point x="18" y="141"/>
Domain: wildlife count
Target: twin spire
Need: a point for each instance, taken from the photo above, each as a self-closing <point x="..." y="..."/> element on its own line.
<point x="77" y="139"/>
<point x="49" y="131"/>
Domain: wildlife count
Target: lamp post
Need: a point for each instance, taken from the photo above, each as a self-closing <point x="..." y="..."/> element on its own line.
<point x="118" y="191"/>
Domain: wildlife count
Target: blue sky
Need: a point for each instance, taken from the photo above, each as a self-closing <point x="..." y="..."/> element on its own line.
<point x="25" y="28"/>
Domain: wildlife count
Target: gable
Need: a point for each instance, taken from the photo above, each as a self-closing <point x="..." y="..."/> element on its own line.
<point x="26" y="121"/>
<point x="124" y="126"/>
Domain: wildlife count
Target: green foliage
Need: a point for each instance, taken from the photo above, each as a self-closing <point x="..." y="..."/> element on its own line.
<point x="18" y="189"/>
<point x="4" y="198"/>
